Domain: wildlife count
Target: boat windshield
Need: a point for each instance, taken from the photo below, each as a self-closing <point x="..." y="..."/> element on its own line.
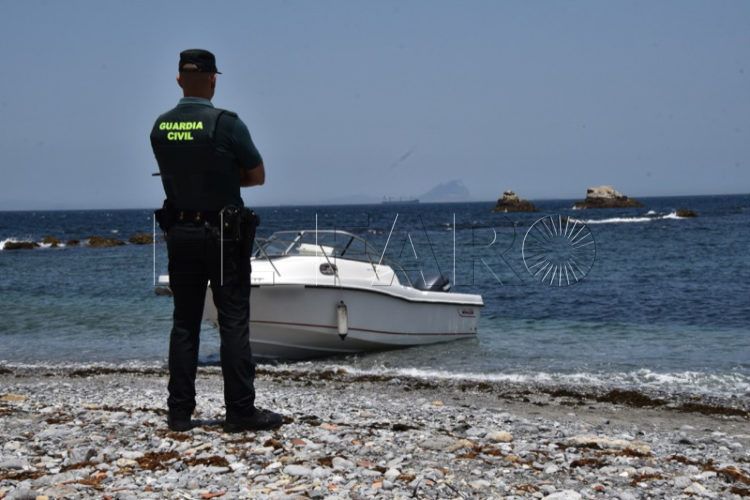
<point x="329" y="243"/>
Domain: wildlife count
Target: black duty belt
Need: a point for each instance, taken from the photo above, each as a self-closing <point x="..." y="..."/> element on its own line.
<point x="211" y="216"/>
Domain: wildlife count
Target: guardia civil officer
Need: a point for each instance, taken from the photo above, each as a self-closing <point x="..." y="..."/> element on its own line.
<point x="205" y="155"/>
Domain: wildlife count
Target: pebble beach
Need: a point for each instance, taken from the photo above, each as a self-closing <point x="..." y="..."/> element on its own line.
<point x="100" y="432"/>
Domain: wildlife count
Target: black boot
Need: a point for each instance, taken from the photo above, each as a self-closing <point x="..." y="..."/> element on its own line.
<point x="256" y="421"/>
<point x="179" y="421"/>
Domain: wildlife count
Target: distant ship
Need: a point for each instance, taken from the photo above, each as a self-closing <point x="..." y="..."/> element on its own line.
<point x="399" y="201"/>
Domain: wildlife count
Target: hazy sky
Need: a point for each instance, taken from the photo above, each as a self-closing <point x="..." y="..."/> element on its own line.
<point x="546" y="98"/>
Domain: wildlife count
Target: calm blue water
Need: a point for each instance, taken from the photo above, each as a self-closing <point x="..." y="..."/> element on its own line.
<point x="666" y="304"/>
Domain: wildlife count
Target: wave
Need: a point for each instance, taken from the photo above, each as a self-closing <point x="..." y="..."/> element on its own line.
<point x="711" y="384"/>
<point x="650" y="216"/>
<point x="12" y="239"/>
<point x="733" y="385"/>
<point x="40" y="244"/>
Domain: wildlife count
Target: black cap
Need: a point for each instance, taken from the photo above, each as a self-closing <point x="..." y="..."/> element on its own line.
<point x="204" y="61"/>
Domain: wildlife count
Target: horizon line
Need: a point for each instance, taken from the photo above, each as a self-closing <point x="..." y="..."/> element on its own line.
<point x="321" y="204"/>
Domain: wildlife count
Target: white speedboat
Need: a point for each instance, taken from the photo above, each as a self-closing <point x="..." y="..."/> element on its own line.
<point x="327" y="292"/>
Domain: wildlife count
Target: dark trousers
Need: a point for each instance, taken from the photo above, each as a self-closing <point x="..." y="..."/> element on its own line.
<point x="195" y="259"/>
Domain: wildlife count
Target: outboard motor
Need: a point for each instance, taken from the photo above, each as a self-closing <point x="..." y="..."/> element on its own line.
<point x="433" y="283"/>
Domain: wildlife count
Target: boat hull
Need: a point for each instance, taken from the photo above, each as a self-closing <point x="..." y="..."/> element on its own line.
<point x="295" y="322"/>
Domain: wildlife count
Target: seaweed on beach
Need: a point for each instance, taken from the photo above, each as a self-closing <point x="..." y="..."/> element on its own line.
<point x="642" y="478"/>
<point x="564" y="393"/>
<point x="684" y="460"/>
<point x="627" y="452"/>
<point x="629" y="398"/>
<point x="156" y="460"/>
<point x="527" y="488"/>
<point x="312" y="420"/>
<point x="708" y="409"/>
<point x="78" y="465"/>
<point x="636" y="399"/>
<point x="476" y="386"/>
<point x="398" y="427"/>
<point x="274" y="443"/>
<point x="22" y="475"/>
<point x="340" y="374"/>
<point x="248" y="438"/>
<point x="626" y="397"/>
<point x="731" y="473"/>
<point x="91" y="372"/>
<point x="117" y="409"/>
<point x="94" y="480"/>
<point x="175" y="436"/>
<point x="597" y="463"/>
<point x="58" y="419"/>
<point x="213" y="461"/>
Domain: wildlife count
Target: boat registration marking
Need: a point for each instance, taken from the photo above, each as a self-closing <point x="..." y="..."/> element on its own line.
<point x="466" y="312"/>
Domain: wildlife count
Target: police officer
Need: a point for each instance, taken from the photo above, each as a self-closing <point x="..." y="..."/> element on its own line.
<point x="205" y="155"/>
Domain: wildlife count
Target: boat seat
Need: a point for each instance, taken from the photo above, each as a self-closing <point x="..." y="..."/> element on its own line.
<point x="433" y="283"/>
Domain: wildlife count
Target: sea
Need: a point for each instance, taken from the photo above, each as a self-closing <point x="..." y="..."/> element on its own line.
<point x="656" y="302"/>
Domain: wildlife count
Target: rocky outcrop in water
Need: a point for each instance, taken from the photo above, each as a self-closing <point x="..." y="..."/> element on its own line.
<point x="20" y="245"/>
<point x="510" y="202"/>
<point x="72" y="243"/>
<point x="141" y="239"/>
<point x="102" y="242"/>
<point x="686" y="212"/>
<point x="51" y="241"/>
<point x="606" y="197"/>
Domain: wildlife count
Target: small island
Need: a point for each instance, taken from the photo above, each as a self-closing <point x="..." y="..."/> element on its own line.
<point x="103" y="242"/>
<point x="686" y="212"/>
<point x="141" y="239"/>
<point x="510" y="202"/>
<point x="606" y="197"/>
<point x="20" y="245"/>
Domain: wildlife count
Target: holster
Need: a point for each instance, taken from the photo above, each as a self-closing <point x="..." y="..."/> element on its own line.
<point x="166" y="216"/>
<point x="238" y="223"/>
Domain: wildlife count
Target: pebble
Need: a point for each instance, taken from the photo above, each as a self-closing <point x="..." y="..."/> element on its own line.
<point x="320" y="473"/>
<point x="297" y="470"/>
<point x="499" y="436"/>
<point x="699" y="490"/>
<point x="609" y="443"/>
<point x="564" y="495"/>
<point x="626" y="495"/>
<point x="391" y="474"/>
<point x="125" y="462"/>
<point x="13" y="464"/>
<point x="437" y="443"/>
<point x="22" y="494"/>
<point x="682" y="482"/>
<point x="379" y="440"/>
<point x="551" y="469"/>
<point x="342" y="464"/>
<point x="479" y="484"/>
